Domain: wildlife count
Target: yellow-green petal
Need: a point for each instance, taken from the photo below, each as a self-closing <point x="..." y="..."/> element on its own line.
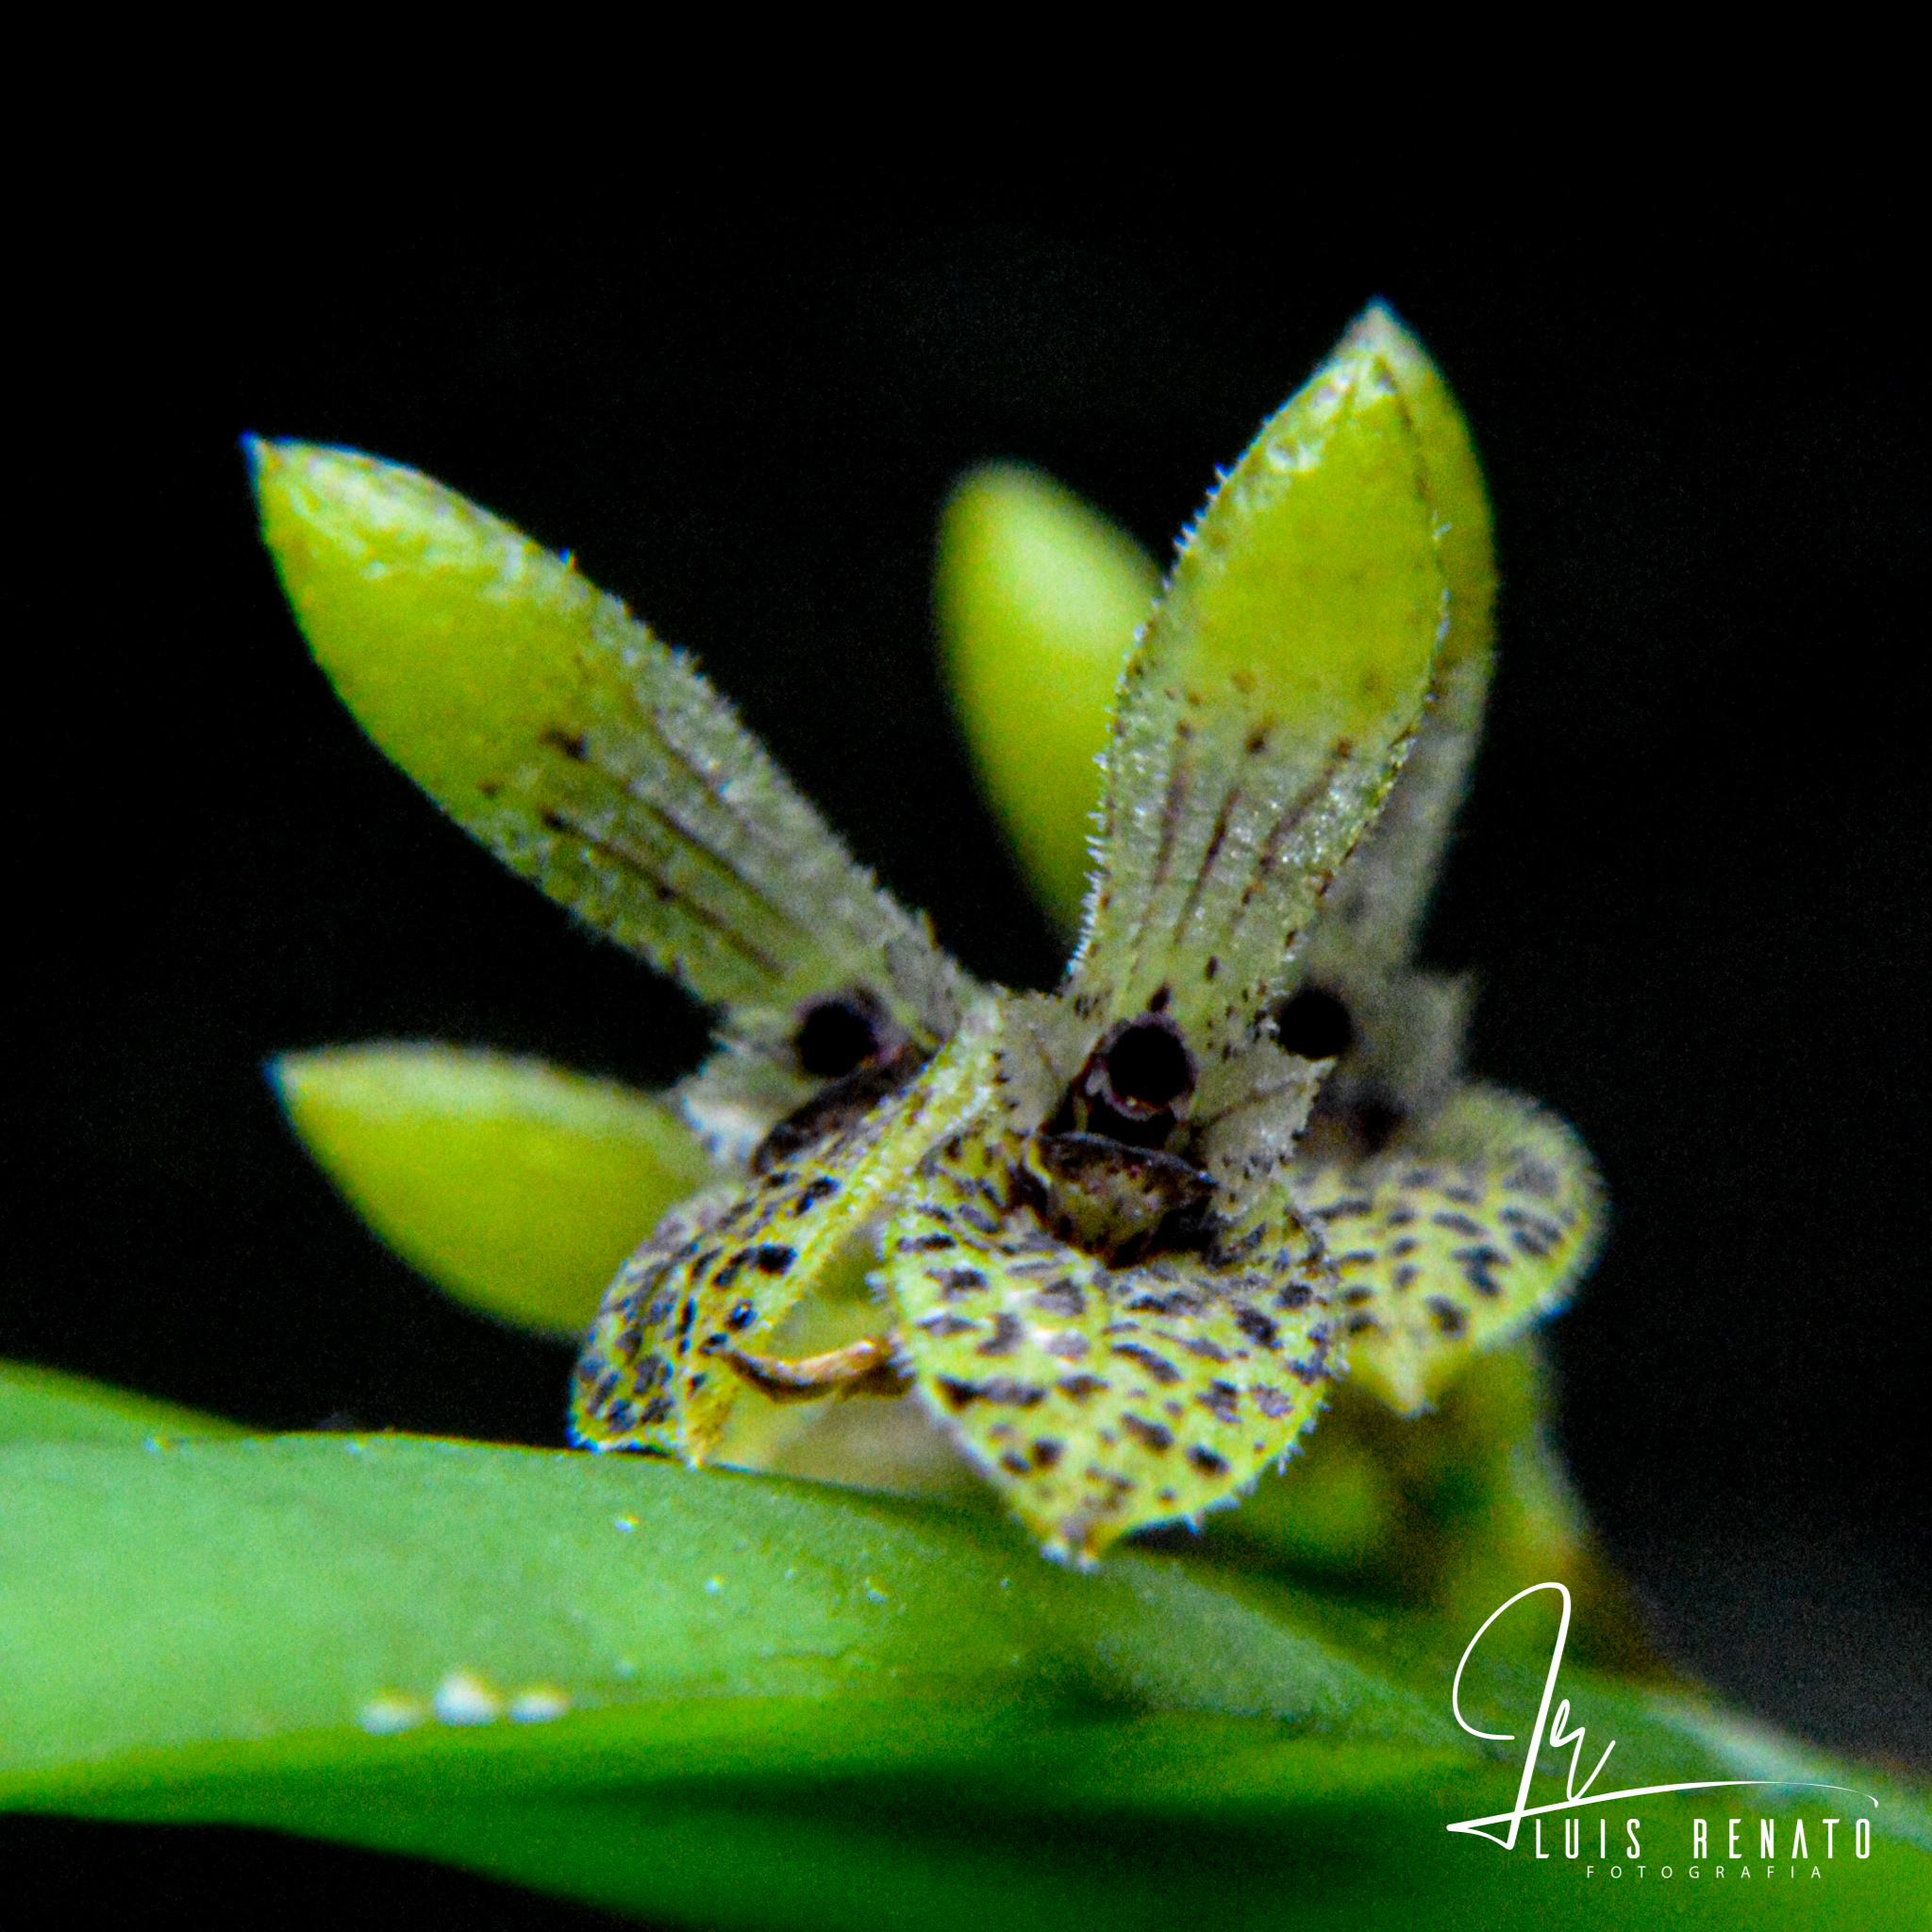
<point x="554" y="729"/>
<point x="517" y="1188"/>
<point x="1373" y="918"/>
<point x="1039" y="597"/>
<point x="1266" y="710"/>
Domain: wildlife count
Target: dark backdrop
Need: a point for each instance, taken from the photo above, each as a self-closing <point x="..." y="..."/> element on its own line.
<point x="1692" y="873"/>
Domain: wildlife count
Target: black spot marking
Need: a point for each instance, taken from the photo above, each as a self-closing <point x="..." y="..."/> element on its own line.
<point x="1221" y="1400"/>
<point x="1155" y="1436"/>
<point x="1148" y="1066"/>
<point x="1011" y="1393"/>
<point x="1449" y="1319"/>
<point x="1478" y="1266"/>
<point x="1205" y="1460"/>
<point x="742" y="1316"/>
<point x="943" y="1327"/>
<point x="1276" y="1403"/>
<point x="1347" y="1208"/>
<point x="1213" y="967"/>
<point x="1315" y="1024"/>
<point x="1062" y="1298"/>
<point x="1006" y="1336"/>
<point x="1208" y="1351"/>
<point x="571" y="742"/>
<point x="1159" y="1367"/>
<point x="1256" y="1326"/>
<point x="1532" y="1233"/>
<point x="839" y="1035"/>
<point x="928" y="1245"/>
<point x="1181" y="1302"/>
<point x="772" y="1258"/>
<point x="1457" y="1224"/>
<point x="953" y="1282"/>
<point x="1081" y="1386"/>
<point x="1046" y="1453"/>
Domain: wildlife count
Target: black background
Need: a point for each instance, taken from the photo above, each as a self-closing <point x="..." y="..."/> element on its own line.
<point x="1693" y="873"/>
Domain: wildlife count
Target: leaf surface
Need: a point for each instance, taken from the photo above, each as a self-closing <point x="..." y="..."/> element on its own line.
<point x="718" y="1699"/>
<point x="44" y="1405"/>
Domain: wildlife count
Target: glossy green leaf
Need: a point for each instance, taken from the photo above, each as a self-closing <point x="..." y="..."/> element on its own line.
<point x="1039" y="597"/>
<point x="741" y="1702"/>
<point x="43" y="1405"/>
<point x="515" y="1185"/>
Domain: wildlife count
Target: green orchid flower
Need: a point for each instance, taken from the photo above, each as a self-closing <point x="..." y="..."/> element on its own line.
<point x="1234" y="1152"/>
<point x="1127" y="1233"/>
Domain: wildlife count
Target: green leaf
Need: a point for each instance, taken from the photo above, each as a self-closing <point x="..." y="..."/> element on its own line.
<point x="303" y="1596"/>
<point x="1039" y="597"/>
<point x="740" y="1702"/>
<point x="43" y="1405"/>
<point x="517" y="1186"/>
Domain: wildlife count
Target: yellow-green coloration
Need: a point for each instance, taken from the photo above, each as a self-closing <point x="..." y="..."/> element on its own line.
<point x="555" y="728"/>
<point x="1129" y="1230"/>
<point x="1265" y="712"/>
<point x="721" y="1275"/>
<point x="1039" y="597"/>
<point x="1371" y="921"/>
<point x="514" y="1185"/>
<point x="1464" y="1227"/>
<point x="1100" y="1396"/>
<point x="44" y="1405"/>
<point x="1028" y="573"/>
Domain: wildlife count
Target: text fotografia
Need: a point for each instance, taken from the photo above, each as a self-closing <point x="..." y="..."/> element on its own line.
<point x="1784" y="1848"/>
